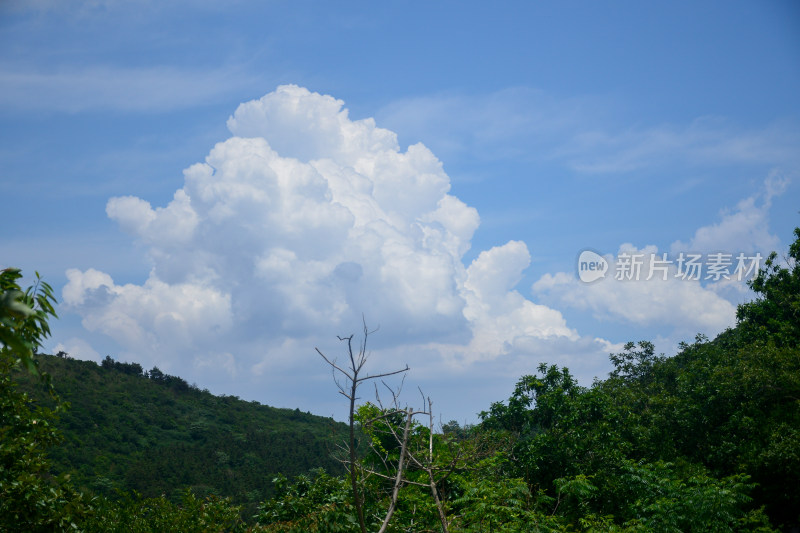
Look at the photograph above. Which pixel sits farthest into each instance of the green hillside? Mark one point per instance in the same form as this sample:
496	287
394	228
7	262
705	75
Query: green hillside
155	434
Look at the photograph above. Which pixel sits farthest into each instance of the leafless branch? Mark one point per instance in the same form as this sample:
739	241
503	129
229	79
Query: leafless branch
349	389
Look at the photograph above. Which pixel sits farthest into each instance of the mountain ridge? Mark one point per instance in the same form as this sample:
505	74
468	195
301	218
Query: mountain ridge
127	429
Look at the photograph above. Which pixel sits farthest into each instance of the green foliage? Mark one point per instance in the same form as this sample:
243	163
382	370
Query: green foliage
134	514
706	440
374	424
310	503
505	504
775	315
24	316
635	365
30	498
598	453
666	498
153	433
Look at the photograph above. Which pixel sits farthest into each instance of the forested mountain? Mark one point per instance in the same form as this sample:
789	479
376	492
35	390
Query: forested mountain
130	429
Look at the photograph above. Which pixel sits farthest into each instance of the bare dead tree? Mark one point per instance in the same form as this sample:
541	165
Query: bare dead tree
348	387
414	453
428	467
421	454
399	479
422	460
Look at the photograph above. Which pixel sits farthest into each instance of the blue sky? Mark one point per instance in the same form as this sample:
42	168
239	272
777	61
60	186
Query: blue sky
217	188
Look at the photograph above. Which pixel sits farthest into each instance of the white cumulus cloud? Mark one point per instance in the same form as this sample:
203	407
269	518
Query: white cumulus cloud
657	291
650	298
503	321
743	229
294	227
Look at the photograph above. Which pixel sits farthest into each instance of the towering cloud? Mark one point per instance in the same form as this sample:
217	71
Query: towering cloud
296	226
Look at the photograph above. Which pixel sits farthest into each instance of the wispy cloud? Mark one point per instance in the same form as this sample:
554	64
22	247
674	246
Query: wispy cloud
743	228
705	141
112	88
502	124
88	8
583	133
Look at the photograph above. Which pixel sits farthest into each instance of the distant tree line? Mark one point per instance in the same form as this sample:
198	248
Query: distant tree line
155	374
